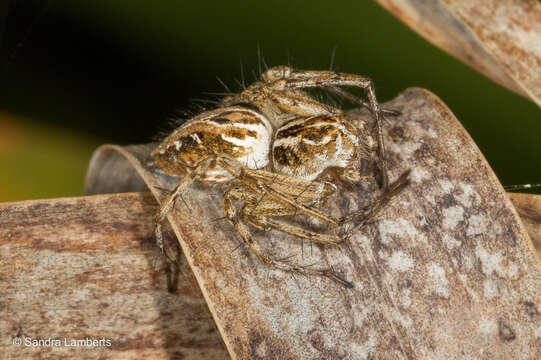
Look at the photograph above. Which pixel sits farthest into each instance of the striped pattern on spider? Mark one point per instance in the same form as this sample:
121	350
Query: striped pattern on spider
276	147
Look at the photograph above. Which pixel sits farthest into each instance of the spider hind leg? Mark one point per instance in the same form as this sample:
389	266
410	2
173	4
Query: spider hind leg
244	194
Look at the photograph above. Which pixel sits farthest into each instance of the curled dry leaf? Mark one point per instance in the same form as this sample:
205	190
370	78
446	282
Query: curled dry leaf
529	208
501	39
445	270
88	268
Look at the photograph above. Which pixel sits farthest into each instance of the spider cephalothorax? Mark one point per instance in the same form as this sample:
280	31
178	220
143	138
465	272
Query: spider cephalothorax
277	148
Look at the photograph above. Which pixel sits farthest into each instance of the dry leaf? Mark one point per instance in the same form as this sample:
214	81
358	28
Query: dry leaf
529	208
88	268
501	39
446	270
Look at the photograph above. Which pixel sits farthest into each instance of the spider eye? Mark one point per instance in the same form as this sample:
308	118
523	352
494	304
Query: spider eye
277	73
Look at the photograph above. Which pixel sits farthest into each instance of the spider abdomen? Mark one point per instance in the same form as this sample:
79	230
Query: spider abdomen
305	148
237	132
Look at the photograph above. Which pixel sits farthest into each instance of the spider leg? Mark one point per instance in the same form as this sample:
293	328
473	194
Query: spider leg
169	201
281	191
291	201
264	258
266	223
354	99
360	217
256	212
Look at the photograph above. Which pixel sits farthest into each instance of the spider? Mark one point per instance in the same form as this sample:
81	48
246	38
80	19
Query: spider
277	147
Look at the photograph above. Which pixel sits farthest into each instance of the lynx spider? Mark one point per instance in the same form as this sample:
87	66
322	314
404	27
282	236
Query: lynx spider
273	124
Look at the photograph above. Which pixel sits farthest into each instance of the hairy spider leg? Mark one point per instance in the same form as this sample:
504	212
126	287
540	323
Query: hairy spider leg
166	206
283	188
354	99
361	217
256	211
250	178
264	258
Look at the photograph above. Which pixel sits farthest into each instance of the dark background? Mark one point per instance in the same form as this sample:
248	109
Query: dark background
75	74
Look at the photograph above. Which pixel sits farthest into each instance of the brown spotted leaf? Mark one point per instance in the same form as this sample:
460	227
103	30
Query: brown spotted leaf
501	39
445	270
88	268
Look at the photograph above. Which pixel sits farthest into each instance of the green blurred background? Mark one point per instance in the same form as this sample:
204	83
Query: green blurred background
75	74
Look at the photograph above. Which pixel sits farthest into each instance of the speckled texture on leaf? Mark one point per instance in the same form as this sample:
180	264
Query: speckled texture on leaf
446	271
88	268
500	39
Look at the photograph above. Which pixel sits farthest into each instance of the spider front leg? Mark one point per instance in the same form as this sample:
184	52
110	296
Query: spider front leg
238	193
354	99
360	217
282	188
170	200
284	72
259	209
